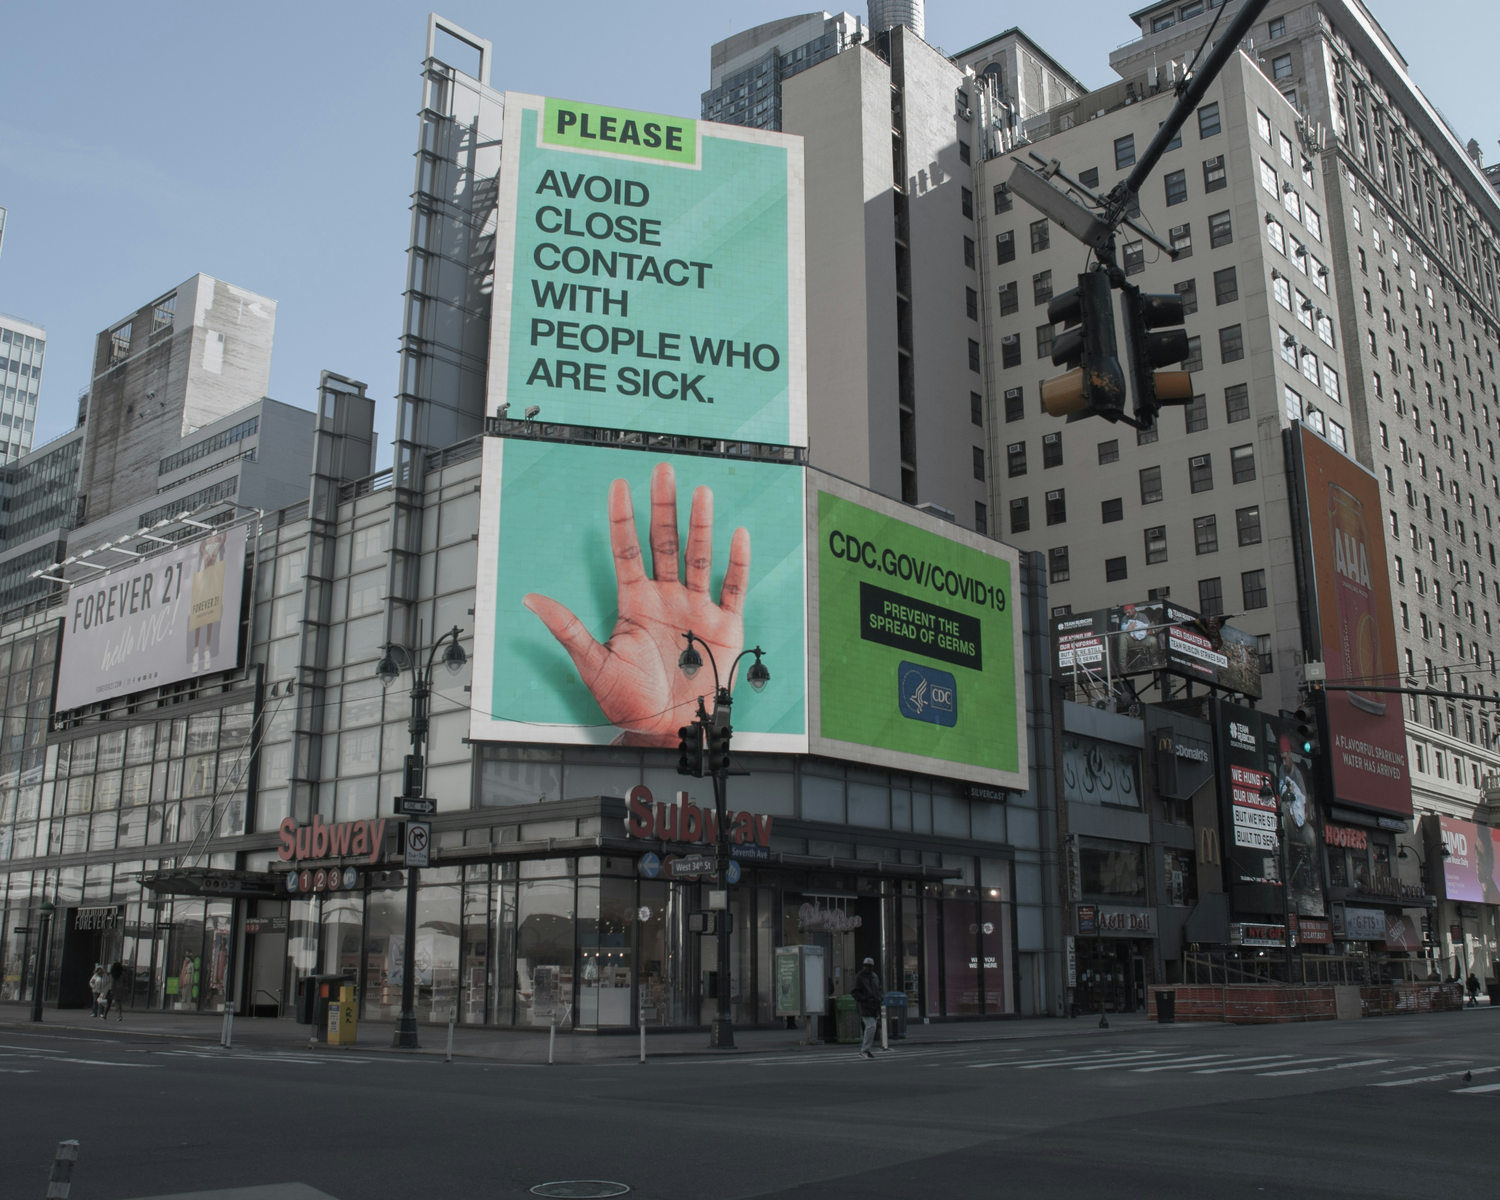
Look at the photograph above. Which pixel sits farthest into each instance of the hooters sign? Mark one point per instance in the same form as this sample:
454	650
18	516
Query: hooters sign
684	821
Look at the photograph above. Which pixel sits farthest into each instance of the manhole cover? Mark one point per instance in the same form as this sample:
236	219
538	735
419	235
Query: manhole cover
580	1189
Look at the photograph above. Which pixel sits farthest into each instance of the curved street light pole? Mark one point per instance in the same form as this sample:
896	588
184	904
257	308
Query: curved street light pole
721	1036
389	670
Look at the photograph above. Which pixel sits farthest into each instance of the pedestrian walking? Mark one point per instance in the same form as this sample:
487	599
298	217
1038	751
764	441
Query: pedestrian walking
117	989
867	992
98	987
1472	985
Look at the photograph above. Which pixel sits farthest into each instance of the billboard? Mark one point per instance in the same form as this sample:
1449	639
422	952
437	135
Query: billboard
584	593
161	620
1469	870
1266	789
917	638
1354	631
649	274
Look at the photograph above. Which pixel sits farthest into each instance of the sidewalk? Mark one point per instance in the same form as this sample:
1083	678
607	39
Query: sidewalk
521	1046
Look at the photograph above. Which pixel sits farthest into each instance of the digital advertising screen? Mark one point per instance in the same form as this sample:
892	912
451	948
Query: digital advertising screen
649	274
594	561
159	620
918	640
1344	537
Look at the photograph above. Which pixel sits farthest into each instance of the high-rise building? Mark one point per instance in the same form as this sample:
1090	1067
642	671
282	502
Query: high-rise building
1337	256
747	69
23	346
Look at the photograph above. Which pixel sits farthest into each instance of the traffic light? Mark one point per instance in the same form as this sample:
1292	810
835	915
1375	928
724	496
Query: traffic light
1147	351
718	749
1096	384
690	750
1308	743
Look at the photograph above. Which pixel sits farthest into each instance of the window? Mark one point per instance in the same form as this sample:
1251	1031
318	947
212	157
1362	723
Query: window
1268	178
1247	524
1231	343
1281	67
973	355
1194	360
964	154
1005	246
968	252
1150	485
1208	120
1188	290
966	199
1263	650
1242	463
1263	125
1135	257
1206	535
1052	455
1276	27
978	462
1201	473
1331	382
1275	236
1176	186
1293	404
1111	511
1003	200
1175	143
1124	151
1284	145
119	344
1253	586
1041	287
1195	414
971	303
1109	452
1220	230
1144	437
1089	178
1015	457
1237	402
1226	286
1211	597
1057	507
981	517
1181	240
1020	515
1009	299
1312	221
1214	176
976	408
1164	21
1015	405
1114	569
1010	350
1040	237
1043	342
1057	564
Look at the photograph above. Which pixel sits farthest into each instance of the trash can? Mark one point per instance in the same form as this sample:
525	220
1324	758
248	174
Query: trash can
1166	1008
1493	987
846	1017
896	1005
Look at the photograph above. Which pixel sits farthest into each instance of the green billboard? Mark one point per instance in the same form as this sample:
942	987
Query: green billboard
649	274
593	561
918	640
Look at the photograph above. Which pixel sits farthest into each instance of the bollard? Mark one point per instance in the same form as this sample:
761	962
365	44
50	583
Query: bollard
61	1182
226	1035
551	1039
452	1017
885	1032
643	1041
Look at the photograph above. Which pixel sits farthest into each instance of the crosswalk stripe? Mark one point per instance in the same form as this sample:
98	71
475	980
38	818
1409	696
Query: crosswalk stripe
1075	1059
1182	1064
1434	1078
1289	1063
1484	1087
1368	1062
1122	1062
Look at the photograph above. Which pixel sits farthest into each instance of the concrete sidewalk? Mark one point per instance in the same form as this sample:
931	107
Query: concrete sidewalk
518	1045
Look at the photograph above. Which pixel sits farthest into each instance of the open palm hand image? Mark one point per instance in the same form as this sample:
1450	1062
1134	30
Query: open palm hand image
634	675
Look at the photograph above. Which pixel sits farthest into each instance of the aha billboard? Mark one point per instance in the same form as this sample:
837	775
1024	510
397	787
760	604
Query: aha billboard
649	274
918	640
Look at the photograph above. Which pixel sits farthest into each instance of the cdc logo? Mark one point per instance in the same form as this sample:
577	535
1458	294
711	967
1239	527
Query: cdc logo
927	694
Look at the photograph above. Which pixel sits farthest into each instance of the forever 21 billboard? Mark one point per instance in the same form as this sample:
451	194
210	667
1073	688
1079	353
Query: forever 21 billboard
160	621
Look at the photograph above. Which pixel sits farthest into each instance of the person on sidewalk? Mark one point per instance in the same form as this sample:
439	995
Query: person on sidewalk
117	989
98	987
1472	984
867	993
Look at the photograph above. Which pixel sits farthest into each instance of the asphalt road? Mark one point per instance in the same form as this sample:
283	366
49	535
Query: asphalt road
1371	1109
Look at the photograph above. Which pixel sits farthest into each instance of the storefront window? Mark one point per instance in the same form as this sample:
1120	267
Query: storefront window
1180	878
1112	870
605	918
544	949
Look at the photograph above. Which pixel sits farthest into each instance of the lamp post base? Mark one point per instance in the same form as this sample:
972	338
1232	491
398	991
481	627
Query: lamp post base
721	1034
406	1032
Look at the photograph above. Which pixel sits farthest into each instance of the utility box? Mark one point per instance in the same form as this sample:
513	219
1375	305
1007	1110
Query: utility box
343	1019
800	981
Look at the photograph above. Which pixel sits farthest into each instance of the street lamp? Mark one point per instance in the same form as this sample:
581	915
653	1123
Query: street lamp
1268	796
716	733
398	658
47	908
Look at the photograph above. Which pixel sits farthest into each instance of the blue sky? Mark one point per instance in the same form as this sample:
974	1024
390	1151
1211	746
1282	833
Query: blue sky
270	144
